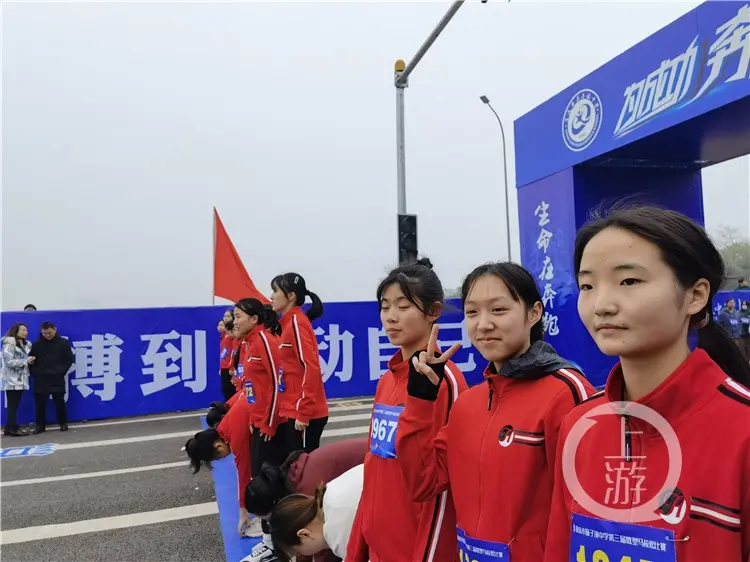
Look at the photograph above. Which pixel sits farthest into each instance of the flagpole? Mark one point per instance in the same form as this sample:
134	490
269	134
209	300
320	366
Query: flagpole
213	264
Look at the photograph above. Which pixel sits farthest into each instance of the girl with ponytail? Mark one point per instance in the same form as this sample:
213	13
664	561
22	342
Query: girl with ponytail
306	525
261	381
647	277
303	396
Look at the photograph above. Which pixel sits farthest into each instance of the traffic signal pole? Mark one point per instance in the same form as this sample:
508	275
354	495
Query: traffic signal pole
407	253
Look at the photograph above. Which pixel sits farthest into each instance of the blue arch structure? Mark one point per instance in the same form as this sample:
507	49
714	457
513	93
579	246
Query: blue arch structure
639	127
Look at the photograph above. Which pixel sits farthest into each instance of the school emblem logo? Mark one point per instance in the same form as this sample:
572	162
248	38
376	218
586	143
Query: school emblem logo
674	507
582	120
505	438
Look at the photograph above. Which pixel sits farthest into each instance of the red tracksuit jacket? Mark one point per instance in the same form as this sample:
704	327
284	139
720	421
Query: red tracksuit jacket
496	452
239	358
389	526
226	347
262	371
304	396
703	517
235	430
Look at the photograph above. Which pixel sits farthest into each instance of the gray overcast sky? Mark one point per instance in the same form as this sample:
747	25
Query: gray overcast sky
124	124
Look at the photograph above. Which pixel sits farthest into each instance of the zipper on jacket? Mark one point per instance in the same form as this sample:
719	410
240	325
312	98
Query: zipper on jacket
489	397
628	440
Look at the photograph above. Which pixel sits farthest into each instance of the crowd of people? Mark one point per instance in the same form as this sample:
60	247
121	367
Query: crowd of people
513	468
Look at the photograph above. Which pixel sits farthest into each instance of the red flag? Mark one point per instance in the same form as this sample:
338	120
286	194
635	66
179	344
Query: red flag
231	280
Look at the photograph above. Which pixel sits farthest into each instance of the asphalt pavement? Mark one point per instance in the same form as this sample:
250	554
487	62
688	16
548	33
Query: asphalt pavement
120	490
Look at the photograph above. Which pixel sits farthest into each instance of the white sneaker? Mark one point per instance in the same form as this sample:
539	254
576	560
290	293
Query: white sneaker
254	529
262	552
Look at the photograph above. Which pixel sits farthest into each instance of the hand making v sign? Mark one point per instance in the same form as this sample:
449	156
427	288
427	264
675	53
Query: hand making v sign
422	363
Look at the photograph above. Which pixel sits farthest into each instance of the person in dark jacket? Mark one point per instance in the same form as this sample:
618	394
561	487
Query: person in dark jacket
53	358
729	319
301	473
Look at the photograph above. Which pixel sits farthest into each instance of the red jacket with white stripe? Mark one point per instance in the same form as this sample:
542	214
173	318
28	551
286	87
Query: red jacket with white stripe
262	370
238	361
226	347
234	428
497	451
705	513
389	526
304	396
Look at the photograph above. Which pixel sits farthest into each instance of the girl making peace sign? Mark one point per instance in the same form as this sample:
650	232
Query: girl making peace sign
496	452
389	526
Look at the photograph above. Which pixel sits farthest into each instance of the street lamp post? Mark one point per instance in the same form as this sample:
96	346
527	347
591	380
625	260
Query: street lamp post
486	101
401	81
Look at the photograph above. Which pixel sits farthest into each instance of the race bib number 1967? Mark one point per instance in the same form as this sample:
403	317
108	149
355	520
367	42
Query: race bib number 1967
384	426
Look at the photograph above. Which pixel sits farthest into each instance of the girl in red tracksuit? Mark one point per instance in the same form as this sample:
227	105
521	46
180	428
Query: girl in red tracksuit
497	451
261	374
662	472
303	396
232	435
390	526
226	347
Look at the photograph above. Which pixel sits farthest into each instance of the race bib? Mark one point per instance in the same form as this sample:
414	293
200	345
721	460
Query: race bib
249	392
384	426
474	550
734	321
224	353
745	319
240	371
282	386
596	540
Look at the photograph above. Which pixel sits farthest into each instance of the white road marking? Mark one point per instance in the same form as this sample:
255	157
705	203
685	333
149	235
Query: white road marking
348	418
107	523
185	434
56	479
332	407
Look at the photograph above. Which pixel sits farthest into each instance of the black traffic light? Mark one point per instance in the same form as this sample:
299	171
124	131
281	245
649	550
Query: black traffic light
407	239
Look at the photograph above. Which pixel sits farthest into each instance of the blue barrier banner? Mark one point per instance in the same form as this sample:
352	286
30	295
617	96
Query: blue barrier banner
148	361
155	360
698	63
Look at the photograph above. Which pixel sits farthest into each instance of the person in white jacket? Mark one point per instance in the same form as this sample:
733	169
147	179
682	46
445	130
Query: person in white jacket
14	373
306	525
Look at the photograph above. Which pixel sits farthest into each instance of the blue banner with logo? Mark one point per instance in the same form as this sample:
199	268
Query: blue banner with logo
147	361
693	66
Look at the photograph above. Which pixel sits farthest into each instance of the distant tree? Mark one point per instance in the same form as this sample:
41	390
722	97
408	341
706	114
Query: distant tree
735	249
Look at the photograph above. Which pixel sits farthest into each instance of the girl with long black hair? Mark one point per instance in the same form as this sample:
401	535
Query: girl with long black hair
303	396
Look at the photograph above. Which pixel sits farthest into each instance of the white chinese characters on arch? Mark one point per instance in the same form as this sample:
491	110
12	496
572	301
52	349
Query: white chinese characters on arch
547	275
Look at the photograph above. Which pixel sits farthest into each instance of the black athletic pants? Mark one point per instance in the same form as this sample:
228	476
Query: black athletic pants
275	451
309	440
227	388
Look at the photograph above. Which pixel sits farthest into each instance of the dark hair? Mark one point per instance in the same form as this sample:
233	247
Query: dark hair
216	412
520	283
228	325
29	308
48	325
293	456
264	312
419	283
13	333
291	514
294	283
200	448
688	251
267	489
